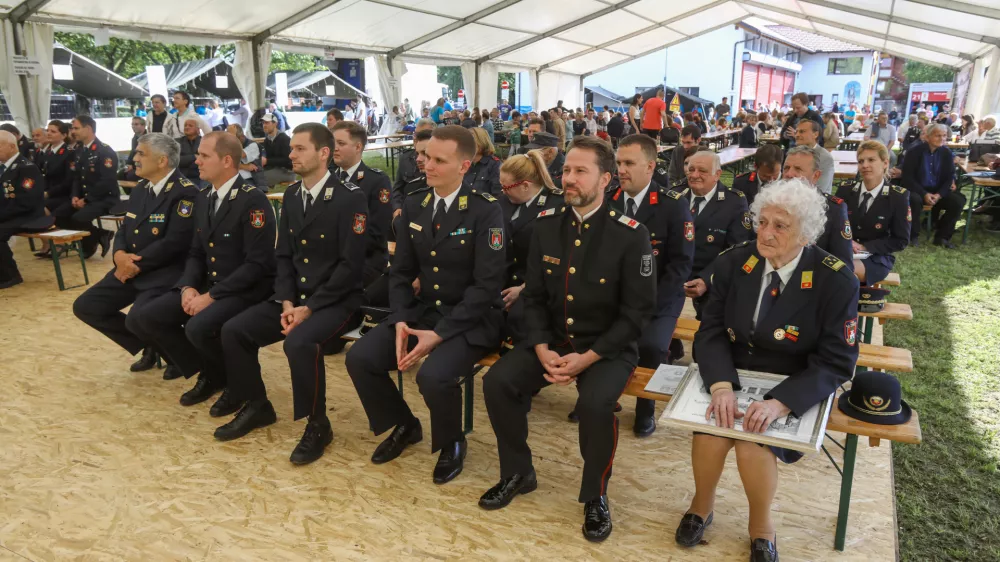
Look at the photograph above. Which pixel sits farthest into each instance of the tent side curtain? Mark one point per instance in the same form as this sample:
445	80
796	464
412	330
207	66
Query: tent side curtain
38	42
181	73
243	72
555	86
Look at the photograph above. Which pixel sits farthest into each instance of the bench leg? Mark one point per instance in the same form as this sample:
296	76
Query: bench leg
867	325
31	244
846	481
78	246
56	250
399	381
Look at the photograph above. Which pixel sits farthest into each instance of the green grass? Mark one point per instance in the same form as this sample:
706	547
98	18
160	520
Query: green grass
948	488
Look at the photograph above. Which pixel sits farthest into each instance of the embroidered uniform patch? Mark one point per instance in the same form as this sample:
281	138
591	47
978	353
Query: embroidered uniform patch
28	183
646	269
108	163
184	208
257	219
846	232
359	223
383	195
747	221
851	331
689	231
496	238
909	215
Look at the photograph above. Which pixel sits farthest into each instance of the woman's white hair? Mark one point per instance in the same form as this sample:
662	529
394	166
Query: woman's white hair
803	202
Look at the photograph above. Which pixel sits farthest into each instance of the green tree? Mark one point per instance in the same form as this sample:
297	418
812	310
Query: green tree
917	72
451	76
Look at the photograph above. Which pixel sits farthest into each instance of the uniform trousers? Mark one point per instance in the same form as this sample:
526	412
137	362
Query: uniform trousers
83	219
100	307
944	214
508	388
372	357
654	349
377	291
260	326
193	344
8	267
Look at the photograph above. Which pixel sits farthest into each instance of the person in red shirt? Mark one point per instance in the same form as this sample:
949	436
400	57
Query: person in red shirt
654	114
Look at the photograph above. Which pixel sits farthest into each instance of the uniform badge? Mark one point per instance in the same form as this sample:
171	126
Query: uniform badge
130	215
361	175
750	264
807	280
547	213
792	333
710	239
878	226
496	238
779	334
846	232
617	194
541	200
463	202
257	219
732	335
851	331
654	197
328	194
833	263
155	231
383	195
108	163
747	221
426	200
646	268
93	146
876	403
184	208
62	150
550	259
72	165
359	223
722	196
416	226
689	231
909	215
28	183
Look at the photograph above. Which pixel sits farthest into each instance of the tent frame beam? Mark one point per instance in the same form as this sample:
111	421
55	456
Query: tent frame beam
294	19
26	9
965	8
557	30
456	25
663	24
858	30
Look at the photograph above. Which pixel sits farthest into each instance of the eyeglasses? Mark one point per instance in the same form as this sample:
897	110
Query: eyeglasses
509	187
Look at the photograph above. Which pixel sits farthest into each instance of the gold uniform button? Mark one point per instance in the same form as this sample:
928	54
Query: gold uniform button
211	244
305	260
586	226
569	298
213	260
652	235
515	260
322	235
574	223
572	270
437	303
612	213
303	279
462	241
577	242
569	321
436	287
602	281
571	336
435	270
303	242
214	274
433	253
302	297
137	231
515	278
549	271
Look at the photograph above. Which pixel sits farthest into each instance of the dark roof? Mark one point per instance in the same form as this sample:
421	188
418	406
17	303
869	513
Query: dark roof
606	93
93	80
813	42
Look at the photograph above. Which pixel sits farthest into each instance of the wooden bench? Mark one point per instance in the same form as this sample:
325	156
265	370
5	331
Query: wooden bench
276	200
63	241
891	280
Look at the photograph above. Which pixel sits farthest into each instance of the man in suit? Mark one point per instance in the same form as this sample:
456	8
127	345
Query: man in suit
807	133
23	206
721	219
666	216
95	186
767	168
748	135
590	292
277	165
454	245
690	137
803	162
149	249
929	172
230	267
321	259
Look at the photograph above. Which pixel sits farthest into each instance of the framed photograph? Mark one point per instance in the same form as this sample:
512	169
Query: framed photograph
687	410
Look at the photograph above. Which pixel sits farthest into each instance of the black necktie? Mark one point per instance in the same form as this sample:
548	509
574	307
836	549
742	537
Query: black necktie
309	201
865	199
439	212
696	206
343	176
630	208
771	293
212	200
3	168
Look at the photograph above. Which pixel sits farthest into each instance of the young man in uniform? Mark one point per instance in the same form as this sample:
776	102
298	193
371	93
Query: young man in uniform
149	249
321	258
590	291
230	267
95	186
453	245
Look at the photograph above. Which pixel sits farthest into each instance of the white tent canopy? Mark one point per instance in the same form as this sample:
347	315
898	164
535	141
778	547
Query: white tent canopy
566	38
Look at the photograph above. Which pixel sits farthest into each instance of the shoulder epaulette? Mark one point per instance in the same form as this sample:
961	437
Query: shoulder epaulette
419	178
376	170
548	213
495	158
674	194
556	191
833	263
207	186
248	188
734	246
738	192
631	223
835	200
351	186
419	191
186	182
899	189
487	196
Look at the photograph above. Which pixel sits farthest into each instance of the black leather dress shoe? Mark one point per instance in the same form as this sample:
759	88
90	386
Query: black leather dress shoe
105	242
450	462
146	362
315	439
45	255
692	529
763	550
506	490
252	416
226	405
597	519
944	244
401	436
203	390
171	373
644	426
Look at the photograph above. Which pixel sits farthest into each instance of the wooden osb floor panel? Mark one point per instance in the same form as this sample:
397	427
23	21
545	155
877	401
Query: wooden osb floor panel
98	463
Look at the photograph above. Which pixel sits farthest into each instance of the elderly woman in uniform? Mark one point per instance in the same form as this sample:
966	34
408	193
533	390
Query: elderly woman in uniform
778	305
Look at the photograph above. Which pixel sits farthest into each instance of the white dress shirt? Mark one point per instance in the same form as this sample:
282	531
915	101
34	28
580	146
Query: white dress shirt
447	201
588	215
708	197
785	273
314	190
158	186
639	198
223	191
350	171
874	192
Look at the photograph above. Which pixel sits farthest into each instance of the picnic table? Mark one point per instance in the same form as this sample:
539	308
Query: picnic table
736	158
982	189
391	149
723	137
383	137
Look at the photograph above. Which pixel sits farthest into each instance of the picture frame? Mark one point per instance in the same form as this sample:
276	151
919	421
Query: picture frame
686	410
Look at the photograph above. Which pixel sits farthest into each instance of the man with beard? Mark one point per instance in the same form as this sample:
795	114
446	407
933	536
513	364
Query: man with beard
590	291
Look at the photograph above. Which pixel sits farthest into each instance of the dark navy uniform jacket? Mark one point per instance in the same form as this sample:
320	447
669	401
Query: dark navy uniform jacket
836	237
406	171
23	194
724	221
885	228
378	191
519	232
159	229
810	334
666	216
58	175
235	255
484	175
95	173
461	267
591	285
556	169
321	254
748	185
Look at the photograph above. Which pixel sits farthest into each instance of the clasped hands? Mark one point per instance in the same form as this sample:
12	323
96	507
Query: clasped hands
292	316
427	340
562	370
125	265
194	302
756	419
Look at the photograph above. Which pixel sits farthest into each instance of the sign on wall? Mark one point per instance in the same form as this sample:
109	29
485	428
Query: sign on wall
25	66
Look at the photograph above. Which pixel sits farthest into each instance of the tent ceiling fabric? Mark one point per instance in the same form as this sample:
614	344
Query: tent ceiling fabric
569	36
